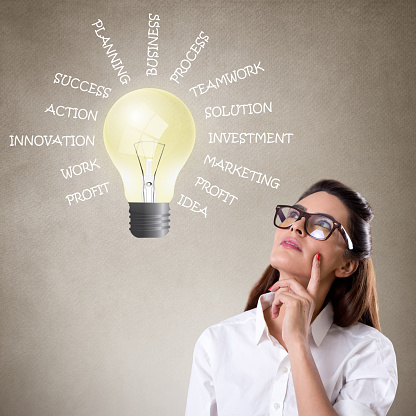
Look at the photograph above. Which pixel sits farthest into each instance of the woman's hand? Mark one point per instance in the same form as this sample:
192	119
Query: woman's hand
299	305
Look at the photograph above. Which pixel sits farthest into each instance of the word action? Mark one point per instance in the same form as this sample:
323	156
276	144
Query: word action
152	47
79	169
191	55
227	78
214	190
187	202
87	194
124	78
76	83
73	112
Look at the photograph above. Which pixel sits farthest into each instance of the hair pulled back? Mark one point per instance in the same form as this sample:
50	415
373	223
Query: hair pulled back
354	298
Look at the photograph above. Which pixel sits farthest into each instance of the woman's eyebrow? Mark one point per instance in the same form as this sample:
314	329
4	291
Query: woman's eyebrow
300	207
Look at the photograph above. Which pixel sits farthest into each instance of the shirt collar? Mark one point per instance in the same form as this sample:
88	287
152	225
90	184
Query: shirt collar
319	328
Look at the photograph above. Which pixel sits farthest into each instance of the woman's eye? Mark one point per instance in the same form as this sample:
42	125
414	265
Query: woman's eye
292	214
324	224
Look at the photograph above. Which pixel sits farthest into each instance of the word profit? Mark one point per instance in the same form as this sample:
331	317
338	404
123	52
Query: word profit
214	190
87	194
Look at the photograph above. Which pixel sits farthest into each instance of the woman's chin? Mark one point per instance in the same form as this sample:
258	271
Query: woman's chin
287	265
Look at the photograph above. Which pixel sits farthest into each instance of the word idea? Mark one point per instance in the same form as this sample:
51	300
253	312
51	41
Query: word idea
87	193
187	202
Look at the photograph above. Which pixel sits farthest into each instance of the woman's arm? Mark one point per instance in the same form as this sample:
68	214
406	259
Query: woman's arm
299	305
311	396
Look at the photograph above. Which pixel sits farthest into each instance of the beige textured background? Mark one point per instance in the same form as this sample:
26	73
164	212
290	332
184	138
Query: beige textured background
96	322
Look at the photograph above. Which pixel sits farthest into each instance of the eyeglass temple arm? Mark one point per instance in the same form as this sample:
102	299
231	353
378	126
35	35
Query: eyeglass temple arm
346	237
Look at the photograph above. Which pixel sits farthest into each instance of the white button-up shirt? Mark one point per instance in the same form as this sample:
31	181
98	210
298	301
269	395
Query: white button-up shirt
239	369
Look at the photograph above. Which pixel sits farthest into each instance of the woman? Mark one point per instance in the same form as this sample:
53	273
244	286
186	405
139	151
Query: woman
309	342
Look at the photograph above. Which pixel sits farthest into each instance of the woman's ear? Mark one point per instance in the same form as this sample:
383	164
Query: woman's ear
347	269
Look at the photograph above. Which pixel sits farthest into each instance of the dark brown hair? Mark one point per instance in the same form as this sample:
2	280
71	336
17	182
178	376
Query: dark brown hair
354	298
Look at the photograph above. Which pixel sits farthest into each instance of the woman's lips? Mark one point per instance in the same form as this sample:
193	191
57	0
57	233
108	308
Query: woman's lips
291	243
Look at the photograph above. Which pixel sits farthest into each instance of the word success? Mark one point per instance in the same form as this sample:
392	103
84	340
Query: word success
83	86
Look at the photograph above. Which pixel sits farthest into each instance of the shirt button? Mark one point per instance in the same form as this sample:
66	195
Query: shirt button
284	370
276	406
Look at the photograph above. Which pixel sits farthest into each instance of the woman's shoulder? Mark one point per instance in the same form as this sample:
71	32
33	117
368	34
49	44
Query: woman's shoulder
361	333
240	324
364	340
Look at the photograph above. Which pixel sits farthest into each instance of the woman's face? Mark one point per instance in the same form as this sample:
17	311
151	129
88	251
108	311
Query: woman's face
297	262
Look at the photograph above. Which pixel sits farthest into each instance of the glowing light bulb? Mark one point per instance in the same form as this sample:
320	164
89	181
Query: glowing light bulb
149	135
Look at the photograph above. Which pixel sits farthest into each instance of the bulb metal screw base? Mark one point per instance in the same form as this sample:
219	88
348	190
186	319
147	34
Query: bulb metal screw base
149	219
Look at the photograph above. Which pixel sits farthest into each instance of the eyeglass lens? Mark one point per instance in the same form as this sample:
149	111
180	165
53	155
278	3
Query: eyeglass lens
317	226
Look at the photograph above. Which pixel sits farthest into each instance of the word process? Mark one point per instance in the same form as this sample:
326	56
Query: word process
191	55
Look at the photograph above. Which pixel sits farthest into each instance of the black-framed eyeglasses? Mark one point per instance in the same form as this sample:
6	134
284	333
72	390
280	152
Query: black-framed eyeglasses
318	226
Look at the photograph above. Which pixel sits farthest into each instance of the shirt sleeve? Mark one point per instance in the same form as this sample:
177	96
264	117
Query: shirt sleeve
370	381
201	393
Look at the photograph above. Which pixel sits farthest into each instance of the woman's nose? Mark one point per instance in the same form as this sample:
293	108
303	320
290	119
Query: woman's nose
299	227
